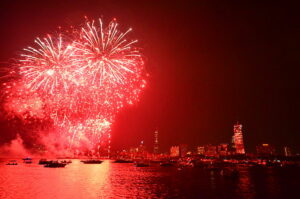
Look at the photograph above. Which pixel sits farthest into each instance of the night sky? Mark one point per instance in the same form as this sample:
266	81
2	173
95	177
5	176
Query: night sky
210	65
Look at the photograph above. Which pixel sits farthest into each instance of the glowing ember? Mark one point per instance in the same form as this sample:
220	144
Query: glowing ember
77	85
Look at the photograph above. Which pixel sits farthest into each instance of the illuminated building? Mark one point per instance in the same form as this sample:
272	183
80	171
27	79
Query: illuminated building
138	152
223	149
265	150
174	151
183	149
211	150
142	147
237	139
155	148
133	150
200	150
287	151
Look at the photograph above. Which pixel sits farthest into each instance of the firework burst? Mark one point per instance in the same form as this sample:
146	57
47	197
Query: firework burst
80	84
106	53
48	67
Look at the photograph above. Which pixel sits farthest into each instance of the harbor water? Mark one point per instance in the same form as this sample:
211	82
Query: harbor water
124	180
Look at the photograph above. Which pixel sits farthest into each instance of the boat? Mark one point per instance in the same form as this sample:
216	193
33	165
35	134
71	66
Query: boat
166	164
66	161
55	164
123	161
92	161
44	161
184	163
12	162
155	161
27	160
141	164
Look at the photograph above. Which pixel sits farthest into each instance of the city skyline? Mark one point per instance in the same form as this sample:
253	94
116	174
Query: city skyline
233	147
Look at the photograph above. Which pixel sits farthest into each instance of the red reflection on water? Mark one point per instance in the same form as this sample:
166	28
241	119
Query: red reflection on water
245	187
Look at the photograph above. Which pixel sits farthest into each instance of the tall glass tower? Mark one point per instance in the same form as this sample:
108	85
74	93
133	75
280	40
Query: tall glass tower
155	148
237	139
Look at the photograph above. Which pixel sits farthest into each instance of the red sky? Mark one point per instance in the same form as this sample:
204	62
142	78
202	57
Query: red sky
209	64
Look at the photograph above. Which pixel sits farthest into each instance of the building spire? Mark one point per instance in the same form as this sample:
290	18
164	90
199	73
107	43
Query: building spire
155	148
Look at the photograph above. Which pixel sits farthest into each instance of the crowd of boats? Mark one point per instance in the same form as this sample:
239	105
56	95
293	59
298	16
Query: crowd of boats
53	163
214	162
179	163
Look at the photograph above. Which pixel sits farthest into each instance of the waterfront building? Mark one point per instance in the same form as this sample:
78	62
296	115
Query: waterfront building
133	150
200	150
265	150
287	151
223	149
138	152
211	150
183	150
237	139
174	151
142	147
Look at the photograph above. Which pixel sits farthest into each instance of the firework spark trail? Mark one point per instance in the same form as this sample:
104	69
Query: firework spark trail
49	67
106	54
80	84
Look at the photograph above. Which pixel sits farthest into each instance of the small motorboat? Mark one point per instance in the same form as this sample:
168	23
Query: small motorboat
92	161
66	161
27	160
166	164
123	161
44	161
12	162
55	164
142	164
186	164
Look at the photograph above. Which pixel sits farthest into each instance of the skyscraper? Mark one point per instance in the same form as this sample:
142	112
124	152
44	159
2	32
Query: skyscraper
155	148
237	139
287	151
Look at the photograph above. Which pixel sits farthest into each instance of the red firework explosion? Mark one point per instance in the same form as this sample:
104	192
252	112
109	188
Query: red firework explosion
79	84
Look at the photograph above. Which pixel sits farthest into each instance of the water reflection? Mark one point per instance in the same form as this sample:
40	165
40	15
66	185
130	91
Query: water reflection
272	183
212	180
245	188
111	180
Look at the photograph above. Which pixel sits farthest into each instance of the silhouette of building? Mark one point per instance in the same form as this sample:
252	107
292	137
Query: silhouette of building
265	150
155	148
223	149
183	150
237	139
211	150
141	148
287	151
